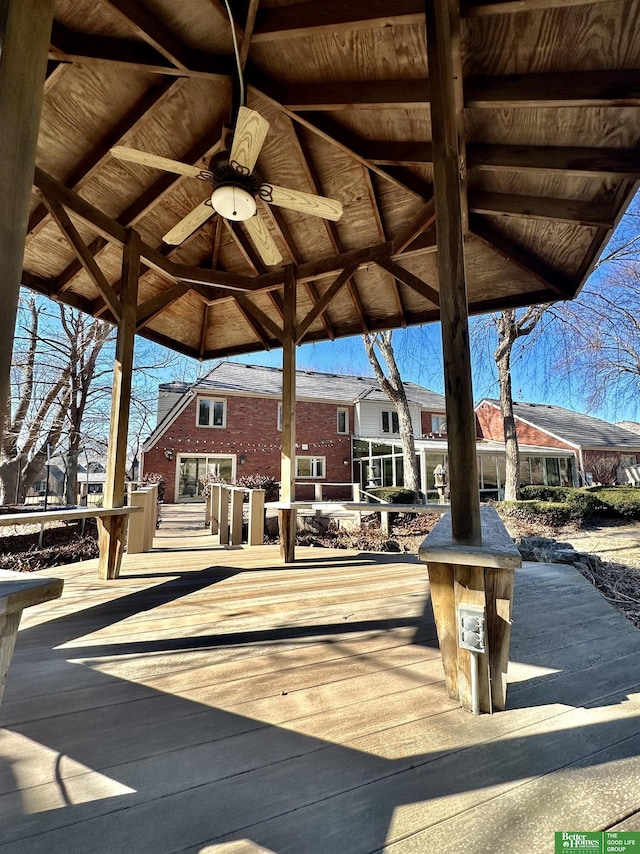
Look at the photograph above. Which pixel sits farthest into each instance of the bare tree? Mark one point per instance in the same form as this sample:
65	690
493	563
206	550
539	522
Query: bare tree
393	387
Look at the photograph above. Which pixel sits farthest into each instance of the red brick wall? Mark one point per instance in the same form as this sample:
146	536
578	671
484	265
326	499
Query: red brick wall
425	421
251	431
490	426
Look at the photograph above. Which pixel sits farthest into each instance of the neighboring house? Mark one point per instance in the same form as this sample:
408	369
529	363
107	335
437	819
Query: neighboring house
592	443
634	426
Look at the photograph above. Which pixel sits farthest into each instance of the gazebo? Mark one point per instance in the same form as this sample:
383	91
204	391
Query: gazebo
481	152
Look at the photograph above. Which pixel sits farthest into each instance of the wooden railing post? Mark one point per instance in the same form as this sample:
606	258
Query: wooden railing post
255	533
214	510
237	500
223	515
137	526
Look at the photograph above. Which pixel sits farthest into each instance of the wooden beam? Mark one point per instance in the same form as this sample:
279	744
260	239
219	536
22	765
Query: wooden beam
424	220
443	38
249	26
595	214
583	162
245	246
154	306
257	328
204	331
334	17
259	317
410	280
322	303
355	95
555	89
151	30
556	281
287	517
24	36
70	232
377	215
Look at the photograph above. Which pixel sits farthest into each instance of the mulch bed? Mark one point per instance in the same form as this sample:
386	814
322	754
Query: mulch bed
62	544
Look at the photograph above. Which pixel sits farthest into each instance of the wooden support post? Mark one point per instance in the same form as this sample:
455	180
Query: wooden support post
25	32
151	517
112	531
480	576
255	533
237	500
445	76
223	515
287	516
136	533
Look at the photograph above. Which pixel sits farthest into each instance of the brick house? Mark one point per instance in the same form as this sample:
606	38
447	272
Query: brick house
230	422
591	441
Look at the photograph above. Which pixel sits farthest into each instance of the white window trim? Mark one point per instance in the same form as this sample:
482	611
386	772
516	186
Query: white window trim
391	432
441	418
312	476
213	401
344	432
279	419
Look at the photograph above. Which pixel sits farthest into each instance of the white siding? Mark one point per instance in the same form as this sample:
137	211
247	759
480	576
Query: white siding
368	418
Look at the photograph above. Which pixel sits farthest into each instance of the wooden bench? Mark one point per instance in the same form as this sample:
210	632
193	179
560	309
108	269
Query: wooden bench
19	590
112	529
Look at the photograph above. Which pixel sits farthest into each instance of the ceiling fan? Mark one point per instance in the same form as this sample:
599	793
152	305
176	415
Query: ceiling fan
236	187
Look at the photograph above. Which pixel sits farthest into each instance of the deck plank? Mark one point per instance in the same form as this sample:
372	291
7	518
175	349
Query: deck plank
230	705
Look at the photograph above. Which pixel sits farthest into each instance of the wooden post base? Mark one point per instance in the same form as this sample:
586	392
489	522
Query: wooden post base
481	576
8	633
287	523
112	531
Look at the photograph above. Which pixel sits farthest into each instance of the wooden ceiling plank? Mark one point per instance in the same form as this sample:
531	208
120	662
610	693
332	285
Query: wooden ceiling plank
323	302
55	72
98	156
70	232
554	280
410	280
598	214
482	8
333	17
425	219
151	30
334	135
260	317
423	244
561	89
154	306
249	27
256	327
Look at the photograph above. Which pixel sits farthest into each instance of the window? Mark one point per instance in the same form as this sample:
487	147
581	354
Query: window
343	420
438	424
390	421
627	459
212	413
310	466
279	424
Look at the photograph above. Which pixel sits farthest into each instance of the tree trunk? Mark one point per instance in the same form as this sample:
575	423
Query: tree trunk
512	451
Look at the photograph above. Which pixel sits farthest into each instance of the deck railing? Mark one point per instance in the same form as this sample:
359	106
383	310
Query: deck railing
225	514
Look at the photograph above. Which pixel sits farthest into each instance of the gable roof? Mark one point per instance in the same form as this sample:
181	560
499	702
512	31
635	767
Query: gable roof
236	378
583	431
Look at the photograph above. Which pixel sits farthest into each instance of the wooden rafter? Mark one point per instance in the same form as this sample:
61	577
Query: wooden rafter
245	246
154	306
322	303
259	316
598	214
425	219
70	232
258	329
410	280
377	217
204	331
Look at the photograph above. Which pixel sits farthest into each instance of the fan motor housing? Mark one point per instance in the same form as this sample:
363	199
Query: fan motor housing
224	173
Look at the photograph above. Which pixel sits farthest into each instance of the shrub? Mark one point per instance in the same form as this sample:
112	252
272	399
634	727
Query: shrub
551	513
261	481
393	494
155	477
581	503
618	501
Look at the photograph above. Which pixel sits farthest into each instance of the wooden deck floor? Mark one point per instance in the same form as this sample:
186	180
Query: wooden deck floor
215	702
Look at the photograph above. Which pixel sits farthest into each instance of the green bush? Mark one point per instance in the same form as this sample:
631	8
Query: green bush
551	513
393	494
581	503
618	501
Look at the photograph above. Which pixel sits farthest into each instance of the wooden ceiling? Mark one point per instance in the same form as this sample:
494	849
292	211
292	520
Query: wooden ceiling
549	115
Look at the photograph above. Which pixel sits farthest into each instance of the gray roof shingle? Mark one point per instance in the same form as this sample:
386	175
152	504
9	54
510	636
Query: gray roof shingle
575	427
255	379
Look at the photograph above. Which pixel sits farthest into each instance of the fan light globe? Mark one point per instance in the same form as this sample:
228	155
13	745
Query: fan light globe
233	202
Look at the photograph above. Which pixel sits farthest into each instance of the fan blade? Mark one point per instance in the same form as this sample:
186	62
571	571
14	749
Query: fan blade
264	243
294	200
188	224
132	155
248	139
